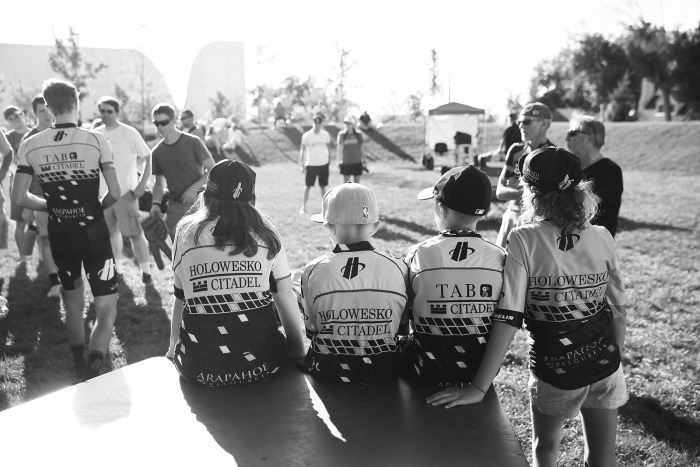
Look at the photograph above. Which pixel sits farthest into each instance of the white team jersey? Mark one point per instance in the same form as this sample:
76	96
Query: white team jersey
354	300
127	146
456	279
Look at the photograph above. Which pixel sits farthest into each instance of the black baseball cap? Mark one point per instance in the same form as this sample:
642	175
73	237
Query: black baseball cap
463	189
551	168
231	181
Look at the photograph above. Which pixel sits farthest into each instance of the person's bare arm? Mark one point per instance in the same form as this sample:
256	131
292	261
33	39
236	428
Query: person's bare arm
114	190
158	192
289	315
6	154
302	156
21	195
191	193
507	187
499	342
175	327
141	187
619	326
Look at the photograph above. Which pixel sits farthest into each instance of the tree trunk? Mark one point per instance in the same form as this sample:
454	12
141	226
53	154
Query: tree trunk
667	103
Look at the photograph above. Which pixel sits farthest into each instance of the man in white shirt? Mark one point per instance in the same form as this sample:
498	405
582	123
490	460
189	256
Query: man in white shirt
123	218
314	157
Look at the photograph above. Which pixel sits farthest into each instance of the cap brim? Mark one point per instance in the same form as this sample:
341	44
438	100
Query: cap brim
318	218
428	193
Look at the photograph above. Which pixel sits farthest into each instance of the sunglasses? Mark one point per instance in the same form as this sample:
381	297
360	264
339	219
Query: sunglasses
572	133
526	122
106	111
165	122
185	117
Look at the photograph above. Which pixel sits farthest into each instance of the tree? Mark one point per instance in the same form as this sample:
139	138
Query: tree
686	74
513	103
222	106
600	64
415	105
339	101
306	95
69	62
435	87
137	90
622	99
555	84
651	53
263	96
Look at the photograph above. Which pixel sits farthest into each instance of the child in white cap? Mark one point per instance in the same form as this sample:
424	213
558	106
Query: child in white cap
354	297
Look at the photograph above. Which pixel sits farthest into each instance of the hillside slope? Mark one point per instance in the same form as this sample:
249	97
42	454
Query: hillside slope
657	146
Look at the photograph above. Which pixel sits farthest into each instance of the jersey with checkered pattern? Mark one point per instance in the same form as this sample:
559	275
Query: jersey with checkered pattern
229	333
566	286
354	300
456	279
67	161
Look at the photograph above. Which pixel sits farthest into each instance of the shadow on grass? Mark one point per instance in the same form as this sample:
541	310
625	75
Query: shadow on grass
419	229
389	145
143	329
679	432
248	158
32	333
628	224
390	236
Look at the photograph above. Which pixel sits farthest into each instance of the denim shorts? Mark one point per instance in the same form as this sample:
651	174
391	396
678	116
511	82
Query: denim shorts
608	394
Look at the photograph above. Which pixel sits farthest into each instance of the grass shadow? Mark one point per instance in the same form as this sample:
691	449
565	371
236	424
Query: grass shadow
681	432
30	335
244	156
142	328
391	235
629	225
387	144
419	229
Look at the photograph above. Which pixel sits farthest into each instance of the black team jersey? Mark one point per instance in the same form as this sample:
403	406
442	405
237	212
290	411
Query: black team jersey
67	161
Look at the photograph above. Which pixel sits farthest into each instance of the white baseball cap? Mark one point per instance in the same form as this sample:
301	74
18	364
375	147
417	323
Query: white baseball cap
348	204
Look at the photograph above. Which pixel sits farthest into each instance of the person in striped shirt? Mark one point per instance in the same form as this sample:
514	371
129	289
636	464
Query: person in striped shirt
562	279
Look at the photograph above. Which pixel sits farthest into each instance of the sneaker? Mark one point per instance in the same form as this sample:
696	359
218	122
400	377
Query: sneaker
54	291
146	278
302	210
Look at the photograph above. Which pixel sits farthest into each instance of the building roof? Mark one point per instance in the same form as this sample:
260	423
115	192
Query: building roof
454	108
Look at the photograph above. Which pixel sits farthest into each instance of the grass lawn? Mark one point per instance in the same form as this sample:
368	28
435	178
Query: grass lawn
658	247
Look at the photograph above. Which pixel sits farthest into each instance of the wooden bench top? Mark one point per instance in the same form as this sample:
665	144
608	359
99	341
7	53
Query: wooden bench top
145	414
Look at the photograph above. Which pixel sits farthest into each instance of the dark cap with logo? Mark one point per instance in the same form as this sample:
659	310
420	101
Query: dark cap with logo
551	168
462	189
535	110
231	181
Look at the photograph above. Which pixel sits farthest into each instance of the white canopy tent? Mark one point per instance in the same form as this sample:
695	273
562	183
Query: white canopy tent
443	122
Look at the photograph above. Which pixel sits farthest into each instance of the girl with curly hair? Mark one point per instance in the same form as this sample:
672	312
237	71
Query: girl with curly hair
562	280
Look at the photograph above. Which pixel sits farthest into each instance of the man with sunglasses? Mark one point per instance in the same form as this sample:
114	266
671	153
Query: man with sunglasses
534	120
124	218
179	160
189	126
585	137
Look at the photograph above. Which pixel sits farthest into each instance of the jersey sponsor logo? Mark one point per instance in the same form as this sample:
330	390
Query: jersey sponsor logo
564	184
567	240
461	251
62	157
327	329
576	280
237	192
352	268
486	290
59	136
438	309
200	286
107	272
539	296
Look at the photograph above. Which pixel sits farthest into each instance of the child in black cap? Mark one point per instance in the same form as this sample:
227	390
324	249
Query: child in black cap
561	278
455	279
229	265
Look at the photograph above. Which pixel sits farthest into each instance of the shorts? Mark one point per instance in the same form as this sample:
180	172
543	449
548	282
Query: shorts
41	219
607	394
90	248
320	171
351	169
176	211
124	216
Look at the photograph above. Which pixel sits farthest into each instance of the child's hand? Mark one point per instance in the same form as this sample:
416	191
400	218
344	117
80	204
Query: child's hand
457	396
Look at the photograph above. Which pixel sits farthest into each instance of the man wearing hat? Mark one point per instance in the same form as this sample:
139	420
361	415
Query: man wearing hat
314	157
534	120
189	126
455	274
